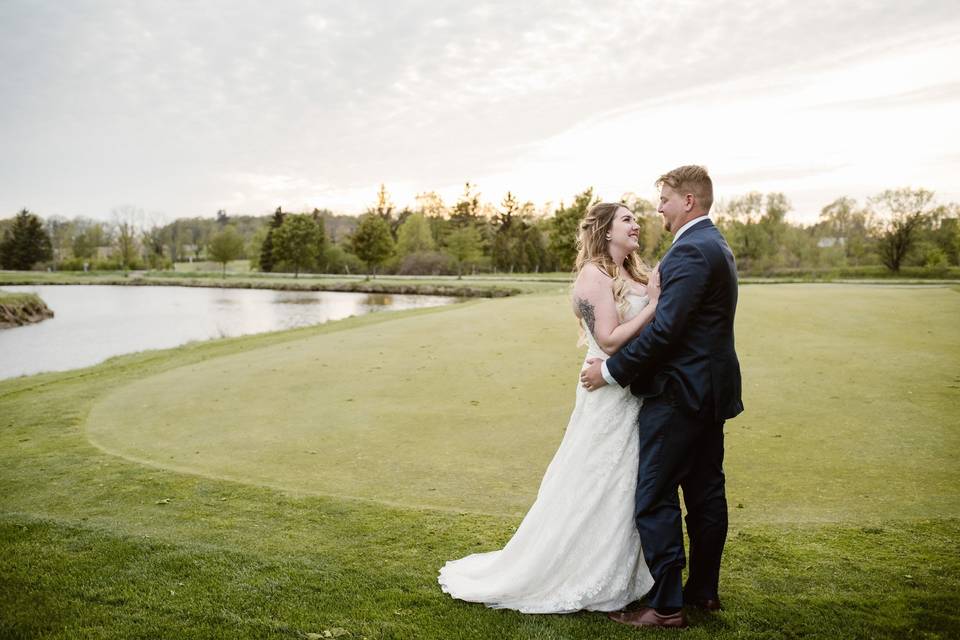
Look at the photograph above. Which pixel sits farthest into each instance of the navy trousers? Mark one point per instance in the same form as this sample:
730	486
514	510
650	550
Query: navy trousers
679	450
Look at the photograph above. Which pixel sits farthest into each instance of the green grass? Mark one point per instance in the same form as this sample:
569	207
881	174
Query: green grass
507	371
238	505
16	298
17	308
235	266
863	272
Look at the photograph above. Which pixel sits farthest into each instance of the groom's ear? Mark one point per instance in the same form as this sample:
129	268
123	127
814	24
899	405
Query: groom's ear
689	202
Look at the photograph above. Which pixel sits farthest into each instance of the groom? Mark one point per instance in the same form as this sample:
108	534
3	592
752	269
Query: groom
684	366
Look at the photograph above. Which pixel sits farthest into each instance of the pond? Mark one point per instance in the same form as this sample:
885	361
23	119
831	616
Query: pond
96	322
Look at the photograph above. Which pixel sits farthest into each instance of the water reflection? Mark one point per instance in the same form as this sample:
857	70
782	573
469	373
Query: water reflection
93	323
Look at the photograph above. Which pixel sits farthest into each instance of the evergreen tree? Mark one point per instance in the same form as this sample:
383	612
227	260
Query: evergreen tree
384	208
25	243
563	234
372	241
503	252
467	210
532	250
267	260
321	260
431	205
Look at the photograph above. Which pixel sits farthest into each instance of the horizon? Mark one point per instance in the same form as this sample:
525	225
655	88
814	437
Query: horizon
144	219
182	112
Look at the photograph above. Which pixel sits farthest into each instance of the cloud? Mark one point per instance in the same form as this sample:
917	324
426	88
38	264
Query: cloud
763	133
160	101
947	92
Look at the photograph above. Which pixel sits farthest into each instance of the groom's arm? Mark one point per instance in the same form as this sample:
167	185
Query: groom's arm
684	281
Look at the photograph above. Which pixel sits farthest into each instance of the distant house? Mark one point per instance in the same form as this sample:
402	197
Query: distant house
828	242
62	253
191	252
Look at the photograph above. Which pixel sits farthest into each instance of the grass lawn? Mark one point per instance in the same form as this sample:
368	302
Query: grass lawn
313	481
235	266
14	297
18	308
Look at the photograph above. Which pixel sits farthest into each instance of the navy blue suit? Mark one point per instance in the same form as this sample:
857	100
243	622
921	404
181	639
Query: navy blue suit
684	366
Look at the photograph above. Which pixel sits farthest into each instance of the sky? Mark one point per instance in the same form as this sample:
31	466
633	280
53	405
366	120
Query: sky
184	108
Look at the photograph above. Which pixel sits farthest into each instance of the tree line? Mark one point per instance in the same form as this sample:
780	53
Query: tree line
894	229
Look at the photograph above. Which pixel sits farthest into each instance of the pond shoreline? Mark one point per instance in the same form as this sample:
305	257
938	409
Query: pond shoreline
19	309
353	286
97	322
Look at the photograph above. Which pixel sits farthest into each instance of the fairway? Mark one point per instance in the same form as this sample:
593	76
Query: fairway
309	483
852	397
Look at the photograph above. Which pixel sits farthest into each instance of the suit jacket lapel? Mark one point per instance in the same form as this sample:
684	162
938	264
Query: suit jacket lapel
686	236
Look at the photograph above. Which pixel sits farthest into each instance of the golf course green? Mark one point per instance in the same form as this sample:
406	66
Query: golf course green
310	483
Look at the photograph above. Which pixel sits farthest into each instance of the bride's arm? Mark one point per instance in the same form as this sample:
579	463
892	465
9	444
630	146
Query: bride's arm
594	302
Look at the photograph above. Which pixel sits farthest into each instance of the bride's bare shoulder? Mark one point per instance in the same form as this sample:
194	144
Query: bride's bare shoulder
589	288
591	275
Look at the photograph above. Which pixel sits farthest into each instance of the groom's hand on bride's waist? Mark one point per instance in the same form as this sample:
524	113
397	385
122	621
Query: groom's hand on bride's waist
592	377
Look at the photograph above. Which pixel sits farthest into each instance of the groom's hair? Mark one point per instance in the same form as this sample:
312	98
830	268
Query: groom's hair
690	178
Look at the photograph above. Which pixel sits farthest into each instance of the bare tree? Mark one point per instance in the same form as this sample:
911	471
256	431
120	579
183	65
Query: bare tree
153	237
903	212
127	220
61	233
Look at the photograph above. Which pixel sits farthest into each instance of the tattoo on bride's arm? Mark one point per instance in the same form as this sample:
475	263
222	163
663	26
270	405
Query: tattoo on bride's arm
586	312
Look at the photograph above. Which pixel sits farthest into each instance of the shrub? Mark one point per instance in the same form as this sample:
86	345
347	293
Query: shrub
340	261
426	263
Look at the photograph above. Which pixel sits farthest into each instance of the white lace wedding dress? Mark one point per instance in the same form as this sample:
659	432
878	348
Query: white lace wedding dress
577	548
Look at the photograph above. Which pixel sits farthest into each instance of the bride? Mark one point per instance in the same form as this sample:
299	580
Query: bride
577	547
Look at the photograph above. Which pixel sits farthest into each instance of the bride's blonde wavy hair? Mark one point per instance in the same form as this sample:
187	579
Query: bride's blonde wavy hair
592	249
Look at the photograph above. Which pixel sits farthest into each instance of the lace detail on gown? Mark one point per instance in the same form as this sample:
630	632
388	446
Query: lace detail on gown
577	547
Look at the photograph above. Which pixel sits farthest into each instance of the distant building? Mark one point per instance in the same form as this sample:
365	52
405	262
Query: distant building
62	253
827	242
190	252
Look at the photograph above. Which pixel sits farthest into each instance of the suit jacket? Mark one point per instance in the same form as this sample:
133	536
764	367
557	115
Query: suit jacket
689	346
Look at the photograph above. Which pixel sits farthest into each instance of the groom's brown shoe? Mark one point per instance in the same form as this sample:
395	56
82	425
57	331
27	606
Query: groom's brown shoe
707	604
647	617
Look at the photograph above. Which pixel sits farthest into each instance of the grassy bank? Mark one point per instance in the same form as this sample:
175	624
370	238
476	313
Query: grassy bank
479	285
17	309
872	272
473	287
313	481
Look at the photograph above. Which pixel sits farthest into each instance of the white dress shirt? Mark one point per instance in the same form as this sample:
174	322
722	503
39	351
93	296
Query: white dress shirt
603	367
684	228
